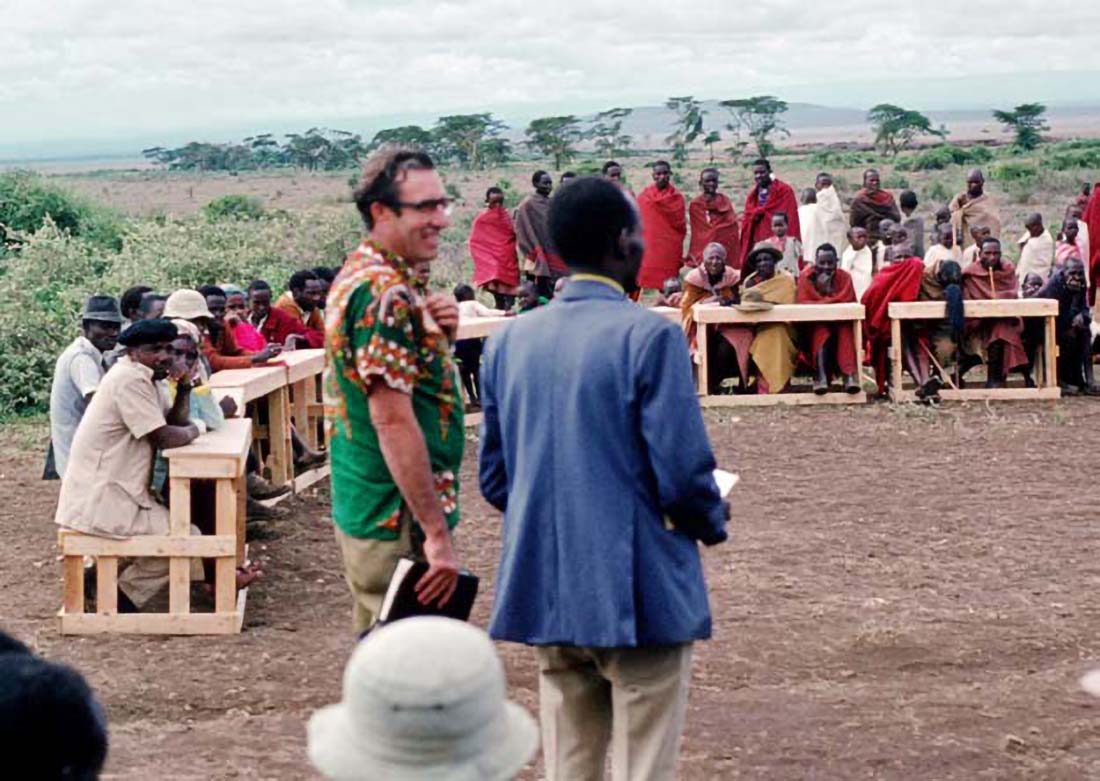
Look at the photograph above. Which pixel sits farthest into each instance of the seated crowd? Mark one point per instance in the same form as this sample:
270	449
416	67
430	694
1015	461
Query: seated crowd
137	381
780	252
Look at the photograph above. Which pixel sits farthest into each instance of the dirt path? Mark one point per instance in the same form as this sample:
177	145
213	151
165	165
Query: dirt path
906	593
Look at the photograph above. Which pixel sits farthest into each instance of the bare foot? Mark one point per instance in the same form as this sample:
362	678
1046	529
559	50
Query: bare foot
248	573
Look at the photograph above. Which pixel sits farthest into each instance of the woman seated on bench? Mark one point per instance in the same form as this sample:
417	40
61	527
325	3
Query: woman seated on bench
106	489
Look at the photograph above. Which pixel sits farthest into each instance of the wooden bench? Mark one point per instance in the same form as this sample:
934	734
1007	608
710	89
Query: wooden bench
218	456
265	385
668	312
710	315
303	372
477	328
1047	379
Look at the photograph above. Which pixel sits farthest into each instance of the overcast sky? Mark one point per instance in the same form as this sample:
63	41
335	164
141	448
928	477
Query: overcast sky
130	69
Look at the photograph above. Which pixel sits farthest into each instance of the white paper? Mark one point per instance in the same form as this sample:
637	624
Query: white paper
726	481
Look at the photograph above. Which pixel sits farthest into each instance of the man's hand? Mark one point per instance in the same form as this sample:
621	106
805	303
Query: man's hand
439	582
444	310
229	407
266	354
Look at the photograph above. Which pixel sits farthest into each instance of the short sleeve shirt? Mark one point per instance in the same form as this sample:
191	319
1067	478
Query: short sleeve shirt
105	489
377	329
78	372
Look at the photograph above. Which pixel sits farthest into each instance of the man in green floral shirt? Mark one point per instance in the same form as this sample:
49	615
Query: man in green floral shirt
392	404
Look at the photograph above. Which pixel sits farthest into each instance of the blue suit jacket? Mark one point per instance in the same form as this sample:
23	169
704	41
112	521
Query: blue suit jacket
592	436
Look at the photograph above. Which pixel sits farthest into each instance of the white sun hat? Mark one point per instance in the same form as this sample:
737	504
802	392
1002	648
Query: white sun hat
424	698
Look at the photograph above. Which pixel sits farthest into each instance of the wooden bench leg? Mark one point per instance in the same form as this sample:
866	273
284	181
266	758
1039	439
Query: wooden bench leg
73	576
300	411
225	523
179	569
106	585
278	428
701	339
895	359
1050	353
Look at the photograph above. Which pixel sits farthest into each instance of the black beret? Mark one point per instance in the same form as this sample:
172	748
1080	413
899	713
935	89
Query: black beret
148	332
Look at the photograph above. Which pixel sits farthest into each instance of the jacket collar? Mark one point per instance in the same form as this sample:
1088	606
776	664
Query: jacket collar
590	286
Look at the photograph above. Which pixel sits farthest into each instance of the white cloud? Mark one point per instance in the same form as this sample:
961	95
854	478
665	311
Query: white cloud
122	67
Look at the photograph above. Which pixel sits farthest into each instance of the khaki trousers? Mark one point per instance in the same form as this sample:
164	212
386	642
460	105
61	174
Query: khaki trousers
368	566
143	578
633	698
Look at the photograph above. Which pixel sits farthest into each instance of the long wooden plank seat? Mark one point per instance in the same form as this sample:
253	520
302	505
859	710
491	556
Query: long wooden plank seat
1046	380
303	371
709	315
218	456
667	312
266	385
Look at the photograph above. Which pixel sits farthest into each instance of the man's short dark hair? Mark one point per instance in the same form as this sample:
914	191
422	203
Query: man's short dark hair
826	247
586	220
569	175
709	169
324	273
907	199
990	240
665	163
258	284
492	190
299	278
608	166
464	292
129	301
762	161
383	172
148	300
49	715
786	219
211	290
536	176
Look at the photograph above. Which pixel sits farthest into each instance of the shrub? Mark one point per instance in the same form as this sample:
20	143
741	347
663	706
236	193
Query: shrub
939	157
1009	171
45	284
234	207
894	181
937	192
28	201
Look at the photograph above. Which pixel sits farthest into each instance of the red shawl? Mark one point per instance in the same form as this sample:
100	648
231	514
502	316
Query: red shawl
493	248
1092	219
756	220
869	209
896	282
713	221
664	226
1005	283
844	291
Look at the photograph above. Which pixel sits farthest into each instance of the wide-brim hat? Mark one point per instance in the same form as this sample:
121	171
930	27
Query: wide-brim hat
767	249
101	308
187	304
409	713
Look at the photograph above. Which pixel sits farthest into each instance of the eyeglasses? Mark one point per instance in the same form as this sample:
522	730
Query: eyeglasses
428	206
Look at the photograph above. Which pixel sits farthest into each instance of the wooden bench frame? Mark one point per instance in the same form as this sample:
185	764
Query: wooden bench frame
1047	379
303	373
709	315
219	456
263	385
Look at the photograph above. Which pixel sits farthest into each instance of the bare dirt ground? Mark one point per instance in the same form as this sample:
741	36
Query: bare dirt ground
907	593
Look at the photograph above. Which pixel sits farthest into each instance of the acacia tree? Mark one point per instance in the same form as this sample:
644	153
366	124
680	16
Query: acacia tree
465	138
712	138
896	127
687	127
555	137
406	135
606	132
760	117
1027	122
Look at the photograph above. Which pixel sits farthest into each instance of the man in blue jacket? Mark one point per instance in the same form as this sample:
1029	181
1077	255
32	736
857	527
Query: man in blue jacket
604	502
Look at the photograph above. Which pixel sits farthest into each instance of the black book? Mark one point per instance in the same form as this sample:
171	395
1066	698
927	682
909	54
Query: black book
401	602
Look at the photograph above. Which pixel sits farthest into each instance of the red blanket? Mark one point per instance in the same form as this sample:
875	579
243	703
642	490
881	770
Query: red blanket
980	285
896	282
756	220
869	209
1092	219
493	248
664	225
844	292
713	221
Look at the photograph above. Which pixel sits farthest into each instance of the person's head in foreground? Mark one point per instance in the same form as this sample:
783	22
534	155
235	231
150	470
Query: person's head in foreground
1073	272
907	200
494	198
149	343
130	300
403	202
464	292
662	174
1031	285
762	261
708	182
945	234
807	196
567	177
714	261
979	233
1034	225
613	171
671	287
51	726
449	720
101	321
596	229
185	352
1070	231
886	230
975	183
762	173
542	182
528	296
306	289
779	225
825	262
822	181
857	237
991	253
